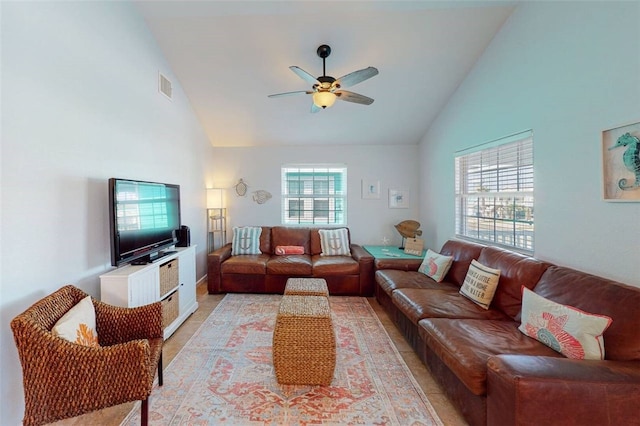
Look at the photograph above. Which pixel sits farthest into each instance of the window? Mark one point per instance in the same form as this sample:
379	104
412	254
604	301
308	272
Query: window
494	192
314	194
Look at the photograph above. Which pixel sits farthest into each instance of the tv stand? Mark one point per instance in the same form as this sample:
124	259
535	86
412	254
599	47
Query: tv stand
131	286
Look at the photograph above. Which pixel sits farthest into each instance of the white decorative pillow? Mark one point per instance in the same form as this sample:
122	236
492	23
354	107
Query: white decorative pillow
480	284
334	242
574	333
246	240
435	265
78	325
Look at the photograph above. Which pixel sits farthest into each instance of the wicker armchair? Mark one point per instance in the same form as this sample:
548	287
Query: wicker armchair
63	379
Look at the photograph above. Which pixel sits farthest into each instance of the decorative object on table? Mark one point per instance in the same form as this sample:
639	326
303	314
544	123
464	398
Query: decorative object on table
326	89
408	229
414	246
241	188
216	219
621	163
385	241
370	189
261	196
398	199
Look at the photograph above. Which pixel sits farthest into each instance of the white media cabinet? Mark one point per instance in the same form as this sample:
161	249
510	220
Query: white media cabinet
137	285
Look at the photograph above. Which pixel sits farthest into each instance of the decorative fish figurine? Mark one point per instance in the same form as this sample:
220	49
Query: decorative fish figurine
261	196
630	158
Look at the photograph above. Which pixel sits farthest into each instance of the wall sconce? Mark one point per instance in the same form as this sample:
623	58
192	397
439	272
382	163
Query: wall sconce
216	219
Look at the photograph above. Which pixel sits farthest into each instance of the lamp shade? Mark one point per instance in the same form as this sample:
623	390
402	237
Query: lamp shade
214	198
324	99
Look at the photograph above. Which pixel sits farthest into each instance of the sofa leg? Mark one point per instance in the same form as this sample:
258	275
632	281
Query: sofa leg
160	370
144	412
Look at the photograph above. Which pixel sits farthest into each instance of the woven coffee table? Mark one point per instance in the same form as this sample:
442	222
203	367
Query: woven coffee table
304	344
306	287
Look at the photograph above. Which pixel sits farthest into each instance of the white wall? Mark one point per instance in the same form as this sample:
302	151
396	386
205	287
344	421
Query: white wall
79	105
369	220
567	70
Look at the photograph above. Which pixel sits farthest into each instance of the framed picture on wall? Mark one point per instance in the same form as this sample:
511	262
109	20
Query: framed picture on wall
398	199
370	189
621	163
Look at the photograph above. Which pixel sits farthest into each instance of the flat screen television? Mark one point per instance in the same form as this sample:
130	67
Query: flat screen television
143	219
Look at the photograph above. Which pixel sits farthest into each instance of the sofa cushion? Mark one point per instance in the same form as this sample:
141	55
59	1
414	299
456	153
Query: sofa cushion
316	246
599	296
334	242
463	253
516	270
465	345
286	250
294	265
246	240
574	333
246	264
392	279
435	265
480	284
417	304
290	236
334	265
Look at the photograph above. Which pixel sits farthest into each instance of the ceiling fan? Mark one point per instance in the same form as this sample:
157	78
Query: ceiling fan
326	89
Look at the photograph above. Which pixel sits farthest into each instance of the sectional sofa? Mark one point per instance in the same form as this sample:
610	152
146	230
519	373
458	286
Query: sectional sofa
268	271
494	373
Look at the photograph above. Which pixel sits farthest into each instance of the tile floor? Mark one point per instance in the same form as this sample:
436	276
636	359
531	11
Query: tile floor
114	415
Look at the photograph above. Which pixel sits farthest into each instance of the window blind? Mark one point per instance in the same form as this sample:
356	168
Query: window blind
494	192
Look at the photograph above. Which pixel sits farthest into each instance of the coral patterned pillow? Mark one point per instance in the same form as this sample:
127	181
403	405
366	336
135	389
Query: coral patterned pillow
435	265
246	240
334	242
568	330
78	325
480	284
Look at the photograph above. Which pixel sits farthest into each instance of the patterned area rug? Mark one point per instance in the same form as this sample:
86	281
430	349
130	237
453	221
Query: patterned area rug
225	375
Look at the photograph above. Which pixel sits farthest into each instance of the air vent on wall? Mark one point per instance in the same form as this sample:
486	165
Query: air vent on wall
164	85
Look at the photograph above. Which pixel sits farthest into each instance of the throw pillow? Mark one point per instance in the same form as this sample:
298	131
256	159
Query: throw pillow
284	250
334	242
246	240
78	325
480	284
435	265
574	333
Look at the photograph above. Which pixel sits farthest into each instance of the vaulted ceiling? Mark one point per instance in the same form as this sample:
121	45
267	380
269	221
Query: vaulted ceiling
228	56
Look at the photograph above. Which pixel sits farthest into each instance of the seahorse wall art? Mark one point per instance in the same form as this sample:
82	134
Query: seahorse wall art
631	160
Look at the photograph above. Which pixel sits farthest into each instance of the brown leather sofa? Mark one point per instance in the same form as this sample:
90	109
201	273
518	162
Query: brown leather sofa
268	272
492	372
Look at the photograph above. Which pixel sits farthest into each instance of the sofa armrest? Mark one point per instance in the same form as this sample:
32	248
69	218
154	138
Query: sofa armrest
535	390
214	267
365	262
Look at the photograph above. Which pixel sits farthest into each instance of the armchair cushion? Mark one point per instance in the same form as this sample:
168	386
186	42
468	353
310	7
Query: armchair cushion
78	325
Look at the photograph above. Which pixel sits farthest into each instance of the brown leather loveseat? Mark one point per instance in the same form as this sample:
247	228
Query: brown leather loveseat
268	272
495	374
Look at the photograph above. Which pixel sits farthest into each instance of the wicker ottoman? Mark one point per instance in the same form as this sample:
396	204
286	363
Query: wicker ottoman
306	287
304	344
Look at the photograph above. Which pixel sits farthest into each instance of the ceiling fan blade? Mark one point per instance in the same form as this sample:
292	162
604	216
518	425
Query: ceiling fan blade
345	95
304	75
315	108
355	77
298	92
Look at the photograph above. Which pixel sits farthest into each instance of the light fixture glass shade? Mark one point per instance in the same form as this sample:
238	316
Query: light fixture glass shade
214	198
324	99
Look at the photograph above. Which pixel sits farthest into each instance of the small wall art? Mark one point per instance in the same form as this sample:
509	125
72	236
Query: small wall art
621	163
370	189
398	199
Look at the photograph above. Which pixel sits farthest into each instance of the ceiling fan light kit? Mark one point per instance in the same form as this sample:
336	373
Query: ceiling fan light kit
326	89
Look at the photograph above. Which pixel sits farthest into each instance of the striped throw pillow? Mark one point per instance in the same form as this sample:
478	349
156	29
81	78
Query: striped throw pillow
334	242
246	240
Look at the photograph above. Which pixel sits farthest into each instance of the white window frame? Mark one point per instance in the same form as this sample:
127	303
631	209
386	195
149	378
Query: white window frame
314	184
494	193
